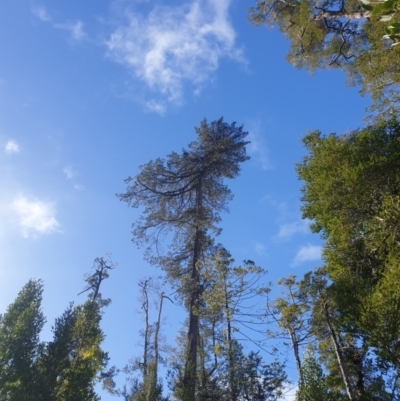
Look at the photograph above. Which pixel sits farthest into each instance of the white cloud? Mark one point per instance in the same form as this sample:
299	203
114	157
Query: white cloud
286	231
35	217
307	253
172	46
257	145
41	13
69	172
75	29
260	248
157	107
11	147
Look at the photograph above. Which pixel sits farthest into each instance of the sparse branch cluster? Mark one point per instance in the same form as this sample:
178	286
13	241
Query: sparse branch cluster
343	34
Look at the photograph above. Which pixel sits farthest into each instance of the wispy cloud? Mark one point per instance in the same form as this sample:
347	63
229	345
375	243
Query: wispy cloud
40	12
75	28
257	145
156	106
286	231
35	217
280	205
11	147
260	248
307	253
172	46
70	174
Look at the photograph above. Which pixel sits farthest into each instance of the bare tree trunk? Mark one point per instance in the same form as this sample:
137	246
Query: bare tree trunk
145	306
153	373
338	352
156	334
232	392
295	345
340	14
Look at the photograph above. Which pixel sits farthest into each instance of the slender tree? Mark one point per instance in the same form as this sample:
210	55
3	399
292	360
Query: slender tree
185	194
20	347
314	385
314	286
291	314
230	300
148	387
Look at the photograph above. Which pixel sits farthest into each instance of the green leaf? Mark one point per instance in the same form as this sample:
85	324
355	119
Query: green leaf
388	4
377	9
367	7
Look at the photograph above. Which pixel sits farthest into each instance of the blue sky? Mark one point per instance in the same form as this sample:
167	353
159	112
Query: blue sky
91	90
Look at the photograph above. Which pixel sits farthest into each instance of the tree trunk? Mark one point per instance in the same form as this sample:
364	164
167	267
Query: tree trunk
156	334
338	352
232	392
193	332
341	14
295	345
145	306
152	368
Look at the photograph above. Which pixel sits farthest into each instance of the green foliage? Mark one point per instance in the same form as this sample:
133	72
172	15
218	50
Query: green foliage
291	313
70	363
349	182
20	327
136	391
185	194
257	381
314	386
342	34
64	369
228	299
238	377
225	372
388	10
351	193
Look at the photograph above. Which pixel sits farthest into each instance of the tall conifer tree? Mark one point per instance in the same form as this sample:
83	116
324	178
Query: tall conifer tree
185	194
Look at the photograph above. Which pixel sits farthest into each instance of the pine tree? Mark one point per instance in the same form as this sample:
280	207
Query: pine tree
184	194
314	386
20	327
